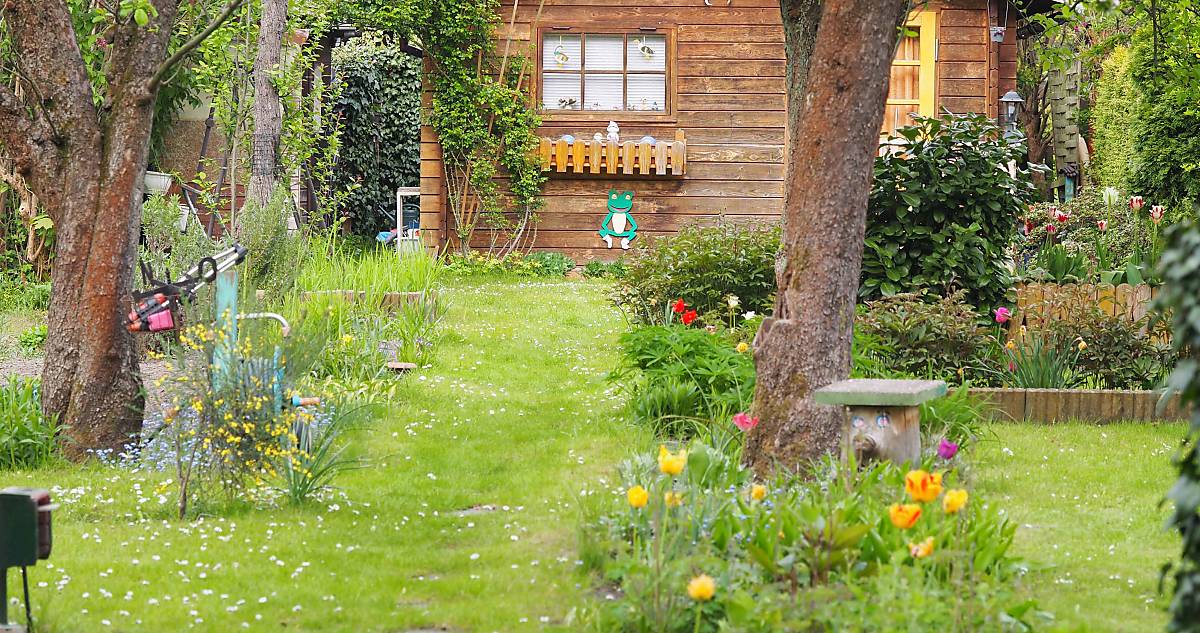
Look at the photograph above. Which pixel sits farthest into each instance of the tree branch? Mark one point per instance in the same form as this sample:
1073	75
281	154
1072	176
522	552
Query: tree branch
192	45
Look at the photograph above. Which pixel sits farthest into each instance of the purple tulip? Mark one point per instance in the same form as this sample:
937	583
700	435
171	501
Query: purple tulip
947	449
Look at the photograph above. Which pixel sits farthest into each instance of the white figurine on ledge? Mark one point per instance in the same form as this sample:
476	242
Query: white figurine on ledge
614	132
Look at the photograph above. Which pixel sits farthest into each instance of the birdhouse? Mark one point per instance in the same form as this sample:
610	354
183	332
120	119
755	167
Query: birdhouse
883	419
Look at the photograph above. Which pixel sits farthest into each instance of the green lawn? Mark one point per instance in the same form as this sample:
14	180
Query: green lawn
1085	498
514	414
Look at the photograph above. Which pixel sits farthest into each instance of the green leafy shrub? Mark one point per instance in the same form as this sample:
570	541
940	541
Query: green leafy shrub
703	265
275	256
1181	292
929	337
27	438
551	264
597	269
33	340
380	109
941	214
674	375
1168	130
1117	353
166	248
1115	120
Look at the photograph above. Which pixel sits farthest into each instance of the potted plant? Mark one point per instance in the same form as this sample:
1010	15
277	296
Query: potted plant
157	182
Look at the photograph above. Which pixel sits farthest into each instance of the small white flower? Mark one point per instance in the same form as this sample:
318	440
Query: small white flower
749	315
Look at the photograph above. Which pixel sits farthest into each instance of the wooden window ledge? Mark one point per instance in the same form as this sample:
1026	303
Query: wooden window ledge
631	158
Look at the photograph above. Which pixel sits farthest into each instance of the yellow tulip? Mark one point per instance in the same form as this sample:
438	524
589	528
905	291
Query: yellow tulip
1011	345
904	516
638	497
702	588
671	463
758	492
673	499
922	486
954	501
742	347
922	549
1082	346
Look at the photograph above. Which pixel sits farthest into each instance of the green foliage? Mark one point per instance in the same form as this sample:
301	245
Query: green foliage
165	248
673	376
941	213
16	294
704	266
275	256
1055	263
33	340
551	264
1165	68
536	264
375	272
1115	122
27	437
1181	268
597	269
928	337
380	108
958	416
1118	353
1037	362
317	449
482	114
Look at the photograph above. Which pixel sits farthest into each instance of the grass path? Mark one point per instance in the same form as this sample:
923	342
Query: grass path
1085	499
515	415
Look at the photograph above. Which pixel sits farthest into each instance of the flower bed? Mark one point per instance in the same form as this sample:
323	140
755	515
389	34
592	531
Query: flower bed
1088	405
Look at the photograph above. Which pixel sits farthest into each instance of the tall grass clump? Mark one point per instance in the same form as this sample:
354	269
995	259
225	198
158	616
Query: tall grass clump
375	271
26	436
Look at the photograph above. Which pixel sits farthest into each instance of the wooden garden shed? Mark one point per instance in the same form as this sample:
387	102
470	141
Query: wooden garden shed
707	83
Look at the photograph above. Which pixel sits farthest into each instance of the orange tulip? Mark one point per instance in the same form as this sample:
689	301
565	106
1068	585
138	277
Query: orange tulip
922	486
904	516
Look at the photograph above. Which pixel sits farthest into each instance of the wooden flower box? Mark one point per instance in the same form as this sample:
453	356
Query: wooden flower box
630	158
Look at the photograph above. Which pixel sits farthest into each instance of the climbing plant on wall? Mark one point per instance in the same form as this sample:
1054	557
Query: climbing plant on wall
484	119
380	110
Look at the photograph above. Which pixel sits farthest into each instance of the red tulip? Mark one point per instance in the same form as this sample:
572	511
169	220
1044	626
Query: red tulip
744	422
679	307
689	317
1051	229
1102	225
1136	203
1061	217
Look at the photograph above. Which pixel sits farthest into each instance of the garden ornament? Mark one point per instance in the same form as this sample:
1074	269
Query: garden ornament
619	222
645	49
614	132
560	54
883	420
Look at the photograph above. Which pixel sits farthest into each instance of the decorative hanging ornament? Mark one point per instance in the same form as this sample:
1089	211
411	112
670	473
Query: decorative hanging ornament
646	50
560	54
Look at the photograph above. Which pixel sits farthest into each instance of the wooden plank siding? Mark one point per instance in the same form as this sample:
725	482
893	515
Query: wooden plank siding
726	86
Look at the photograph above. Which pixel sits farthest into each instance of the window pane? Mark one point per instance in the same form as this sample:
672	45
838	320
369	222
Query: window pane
647	92
605	52
560	91
604	92
897	116
910	47
906	83
648	52
560	52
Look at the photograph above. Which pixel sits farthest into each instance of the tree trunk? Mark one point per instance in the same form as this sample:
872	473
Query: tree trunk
839	64
87	166
268	104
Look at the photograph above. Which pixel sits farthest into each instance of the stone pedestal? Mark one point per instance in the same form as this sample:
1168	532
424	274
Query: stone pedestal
883	419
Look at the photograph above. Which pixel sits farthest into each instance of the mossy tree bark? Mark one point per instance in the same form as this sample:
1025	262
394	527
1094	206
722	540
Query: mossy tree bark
86	163
839	55
268	103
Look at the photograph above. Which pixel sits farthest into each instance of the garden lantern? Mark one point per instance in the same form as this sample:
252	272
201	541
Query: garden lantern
1011	105
25	538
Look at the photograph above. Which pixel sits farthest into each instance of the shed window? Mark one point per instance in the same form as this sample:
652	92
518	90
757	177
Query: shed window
604	72
914	79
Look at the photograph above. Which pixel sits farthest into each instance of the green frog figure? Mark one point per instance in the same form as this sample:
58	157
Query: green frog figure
619	222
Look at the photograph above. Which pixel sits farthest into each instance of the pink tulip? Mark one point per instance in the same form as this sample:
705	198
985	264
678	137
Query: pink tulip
1102	225
1052	210
1051	229
1157	212
947	449
1136	203
1061	217
1012	366
1003	315
744	422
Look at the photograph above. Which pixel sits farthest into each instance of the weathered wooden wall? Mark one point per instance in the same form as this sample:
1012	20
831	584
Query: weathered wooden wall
729	96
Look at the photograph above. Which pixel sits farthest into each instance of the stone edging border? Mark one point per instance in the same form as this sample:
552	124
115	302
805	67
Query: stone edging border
1088	405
